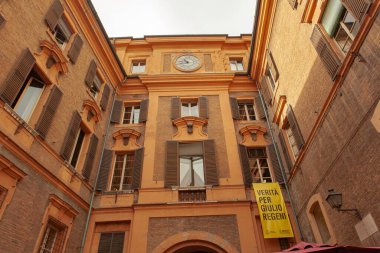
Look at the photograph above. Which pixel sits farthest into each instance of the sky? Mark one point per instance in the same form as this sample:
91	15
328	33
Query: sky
136	18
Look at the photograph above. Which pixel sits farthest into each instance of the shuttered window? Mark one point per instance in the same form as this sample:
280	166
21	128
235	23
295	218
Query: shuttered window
135	112
93	79
245	166
54	236
259	166
289	163
293	132
105	167
171	164
271	71
90	157
203	107
246	110
116	112
75	49
111	242
275	163
175	108
259	108
105	97
48	111
182	107
265	91
71	136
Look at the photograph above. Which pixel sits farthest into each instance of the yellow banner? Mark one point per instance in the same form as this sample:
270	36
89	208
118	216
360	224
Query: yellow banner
274	217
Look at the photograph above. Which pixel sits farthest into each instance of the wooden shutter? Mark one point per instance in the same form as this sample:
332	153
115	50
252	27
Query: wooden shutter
358	8
176	108
137	168
91	72
294	127
75	49
105	97
116	111
54	14
167	63
203	107
246	170
275	163
143	111
117	243
289	163
208	62
325	52
90	157
293	4
172	163
14	83
105	167
234	108
211	177
260	114
105	243
48	112
71	135
272	66
265	90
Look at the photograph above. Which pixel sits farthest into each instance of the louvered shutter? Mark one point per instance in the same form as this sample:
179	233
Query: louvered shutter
208	63
117	243
116	111
294	127
91	72
137	168
265	90
172	163
275	163
293	4
234	108
48	112
246	170
143	111
260	114
90	157
167	63
105	243
71	135
176	108
54	14
105	167
288	161
14	83
210	163
272	66
75	49
105	97
325	52
203	107
358	8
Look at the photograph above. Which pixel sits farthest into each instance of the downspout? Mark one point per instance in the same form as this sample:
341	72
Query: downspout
98	171
280	163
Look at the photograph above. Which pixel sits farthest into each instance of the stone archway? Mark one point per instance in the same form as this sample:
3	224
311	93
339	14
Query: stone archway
195	242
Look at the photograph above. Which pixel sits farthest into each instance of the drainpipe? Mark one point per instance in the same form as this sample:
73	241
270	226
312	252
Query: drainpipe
98	171
280	162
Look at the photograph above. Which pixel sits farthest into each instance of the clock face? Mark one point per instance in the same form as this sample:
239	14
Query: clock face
187	62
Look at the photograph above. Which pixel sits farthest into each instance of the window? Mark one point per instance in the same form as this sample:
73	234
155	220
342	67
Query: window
53	237
246	110
122	174
236	64
189	108
321	223
191	164
77	147
95	87
340	24
28	96
131	114
62	32
258	162
292	141
111	242
138	66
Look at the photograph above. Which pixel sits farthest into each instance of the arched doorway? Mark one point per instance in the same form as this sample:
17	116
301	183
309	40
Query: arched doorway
195	246
195	249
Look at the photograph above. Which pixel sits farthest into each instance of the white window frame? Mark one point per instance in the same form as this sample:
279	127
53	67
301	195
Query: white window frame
235	62
54	32
120	188
132	119
244	103
140	66
93	89
75	145
46	236
188	106
260	169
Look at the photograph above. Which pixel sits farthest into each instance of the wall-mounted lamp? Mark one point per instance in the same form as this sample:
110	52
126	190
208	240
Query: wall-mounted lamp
335	200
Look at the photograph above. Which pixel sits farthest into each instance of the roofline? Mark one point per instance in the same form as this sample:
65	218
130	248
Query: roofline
181	35
92	8
253	40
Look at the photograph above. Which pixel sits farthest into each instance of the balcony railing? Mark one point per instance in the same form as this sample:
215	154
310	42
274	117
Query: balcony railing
192	195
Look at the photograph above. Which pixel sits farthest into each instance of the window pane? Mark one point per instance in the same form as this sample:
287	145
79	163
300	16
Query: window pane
127	115
251	111
78	146
29	99
240	66
185	109
136	114
199	175
185	171
332	15
194	110
233	65
116	179
242	112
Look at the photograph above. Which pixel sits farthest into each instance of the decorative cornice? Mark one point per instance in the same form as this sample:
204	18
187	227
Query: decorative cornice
94	108
189	128
62	205
9	168
52	50
253	136
252	129
126	133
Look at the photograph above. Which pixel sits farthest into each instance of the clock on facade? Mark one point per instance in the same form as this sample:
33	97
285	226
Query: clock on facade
187	63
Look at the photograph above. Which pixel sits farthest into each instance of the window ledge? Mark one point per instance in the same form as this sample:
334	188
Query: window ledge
118	192
22	123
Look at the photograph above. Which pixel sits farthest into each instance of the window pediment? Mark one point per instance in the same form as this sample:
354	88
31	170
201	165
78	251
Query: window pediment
253	135
54	56
93	110
126	139
190	128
